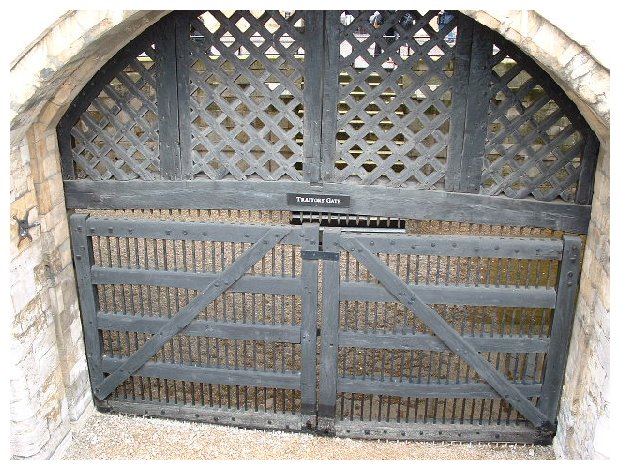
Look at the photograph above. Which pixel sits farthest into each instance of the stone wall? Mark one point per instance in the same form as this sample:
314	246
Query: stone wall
49	380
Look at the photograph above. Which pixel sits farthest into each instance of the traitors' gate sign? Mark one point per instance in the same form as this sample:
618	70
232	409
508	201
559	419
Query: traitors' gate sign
318	200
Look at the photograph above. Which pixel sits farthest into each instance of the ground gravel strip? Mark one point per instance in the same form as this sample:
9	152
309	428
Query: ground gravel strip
111	437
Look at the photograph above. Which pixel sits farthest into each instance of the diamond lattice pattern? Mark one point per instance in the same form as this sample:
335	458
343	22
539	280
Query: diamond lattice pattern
117	136
533	147
395	93
246	95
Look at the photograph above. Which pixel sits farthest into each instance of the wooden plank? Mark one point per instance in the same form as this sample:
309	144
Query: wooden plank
561	328
329	337
313	88
189	312
211	375
585	188
190	280
395	388
331	69
211	329
476	122
183	59
205	414
373	200
177	230
483	343
310	279
83	259
445	332
461	245
439	432
509	296
63	134
167	103
459	102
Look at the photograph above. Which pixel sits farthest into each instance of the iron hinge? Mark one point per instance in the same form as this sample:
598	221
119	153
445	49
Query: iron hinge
324	255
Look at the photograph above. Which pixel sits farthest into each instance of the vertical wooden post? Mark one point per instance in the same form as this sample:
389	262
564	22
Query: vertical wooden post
585	188
167	101
310	273
313	99
329	334
561	328
89	302
470	105
331	68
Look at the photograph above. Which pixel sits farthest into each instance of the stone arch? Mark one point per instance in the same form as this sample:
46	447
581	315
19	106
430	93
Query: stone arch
52	71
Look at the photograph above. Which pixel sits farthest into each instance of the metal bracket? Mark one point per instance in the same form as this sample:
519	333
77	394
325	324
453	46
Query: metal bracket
23	227
324	255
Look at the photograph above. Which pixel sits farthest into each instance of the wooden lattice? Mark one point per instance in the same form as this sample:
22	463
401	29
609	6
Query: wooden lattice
395	96
246	86
535	141
117	137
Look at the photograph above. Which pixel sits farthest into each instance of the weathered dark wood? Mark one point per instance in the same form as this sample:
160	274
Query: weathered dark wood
178	230
205	414
486	343
331	59
183	64
212	375
561	329
462	68
427	390
212	329
478	96
367	200
329	338
167	101
189	280
313	48
189	312
105	75
83	259
462	245
585	189
439	432
406	295
310	279
508	296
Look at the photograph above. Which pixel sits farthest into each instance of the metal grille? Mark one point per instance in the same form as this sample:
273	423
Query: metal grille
535	141
117	137
246	95
395	93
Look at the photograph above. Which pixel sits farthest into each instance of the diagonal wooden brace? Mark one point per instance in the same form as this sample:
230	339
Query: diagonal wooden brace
218	286
453	340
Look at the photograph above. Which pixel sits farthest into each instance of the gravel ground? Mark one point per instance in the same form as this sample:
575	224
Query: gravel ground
115	437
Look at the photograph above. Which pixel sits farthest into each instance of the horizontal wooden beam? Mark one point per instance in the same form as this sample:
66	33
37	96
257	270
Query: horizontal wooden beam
178	230
462	246
198	281
210	329
426	390
365	200
205	414
211	375
482	296
439	432
486	343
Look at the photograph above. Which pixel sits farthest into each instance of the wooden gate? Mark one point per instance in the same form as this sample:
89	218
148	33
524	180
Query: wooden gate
341	127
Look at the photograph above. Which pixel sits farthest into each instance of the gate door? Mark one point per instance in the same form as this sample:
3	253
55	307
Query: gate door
213	322
445	337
